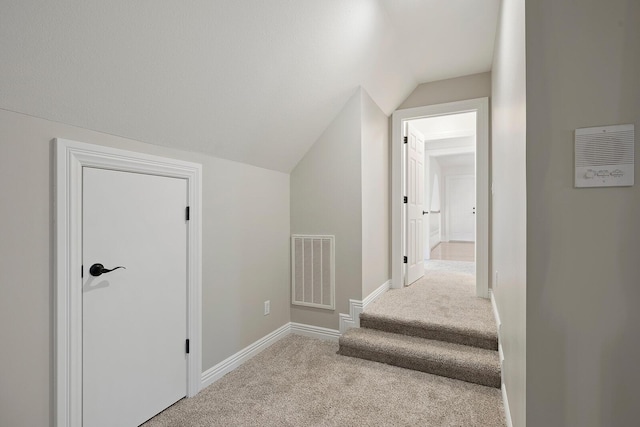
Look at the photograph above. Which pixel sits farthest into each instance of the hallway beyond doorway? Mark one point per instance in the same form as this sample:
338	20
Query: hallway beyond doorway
454	251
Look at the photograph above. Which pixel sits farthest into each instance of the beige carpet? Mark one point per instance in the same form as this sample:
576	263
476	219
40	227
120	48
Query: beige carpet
442	305
300	381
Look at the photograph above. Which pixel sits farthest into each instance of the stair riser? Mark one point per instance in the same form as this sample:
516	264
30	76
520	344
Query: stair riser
429	333
458	373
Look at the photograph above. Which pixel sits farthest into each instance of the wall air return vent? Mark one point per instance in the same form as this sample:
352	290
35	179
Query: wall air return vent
313	271
604	156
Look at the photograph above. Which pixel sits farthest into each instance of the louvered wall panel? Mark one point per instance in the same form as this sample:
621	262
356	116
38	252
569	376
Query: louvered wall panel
313	271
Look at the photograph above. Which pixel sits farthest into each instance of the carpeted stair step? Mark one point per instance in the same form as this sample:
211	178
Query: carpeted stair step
486	339
471	364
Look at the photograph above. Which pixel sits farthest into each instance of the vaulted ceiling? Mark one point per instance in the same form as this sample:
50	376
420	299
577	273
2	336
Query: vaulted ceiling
256	81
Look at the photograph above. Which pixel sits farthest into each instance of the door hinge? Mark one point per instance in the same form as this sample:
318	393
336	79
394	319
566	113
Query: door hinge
405	260
82	271
187	213
187	346
406	139
406	199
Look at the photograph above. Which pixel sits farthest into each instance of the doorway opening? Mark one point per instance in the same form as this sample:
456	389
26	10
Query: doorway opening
449	186
440	190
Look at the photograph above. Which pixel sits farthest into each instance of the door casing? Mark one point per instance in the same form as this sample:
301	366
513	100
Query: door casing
399	117
70	158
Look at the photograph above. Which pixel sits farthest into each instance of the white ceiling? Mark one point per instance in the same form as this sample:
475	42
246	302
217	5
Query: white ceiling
254	81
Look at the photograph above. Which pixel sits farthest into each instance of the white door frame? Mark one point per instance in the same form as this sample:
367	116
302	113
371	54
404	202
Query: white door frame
481	107
70	158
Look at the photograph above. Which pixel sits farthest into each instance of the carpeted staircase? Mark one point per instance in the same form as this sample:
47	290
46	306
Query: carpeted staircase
464	349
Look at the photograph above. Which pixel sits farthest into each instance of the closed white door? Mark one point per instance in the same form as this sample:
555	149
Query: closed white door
461	208
134	319
415	205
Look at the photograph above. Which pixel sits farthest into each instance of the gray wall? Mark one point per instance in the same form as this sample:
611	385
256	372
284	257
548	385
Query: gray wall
245	257
509	220
341	187
583	245
458	89
326	198
376	215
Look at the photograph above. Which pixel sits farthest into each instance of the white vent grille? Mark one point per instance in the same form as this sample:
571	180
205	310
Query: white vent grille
604	156
313	271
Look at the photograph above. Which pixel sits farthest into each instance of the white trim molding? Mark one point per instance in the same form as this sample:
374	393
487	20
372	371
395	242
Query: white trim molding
352	320
496	315
70	158
505	400
315	331
216	372
399	118
507	411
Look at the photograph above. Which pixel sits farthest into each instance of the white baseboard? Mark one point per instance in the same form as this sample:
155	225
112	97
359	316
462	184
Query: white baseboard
314	331
507	411
216	372
496	315
376	293
352	320
494	305
505	400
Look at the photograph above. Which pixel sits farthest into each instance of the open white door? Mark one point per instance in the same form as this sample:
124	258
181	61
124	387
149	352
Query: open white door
134	320
415	205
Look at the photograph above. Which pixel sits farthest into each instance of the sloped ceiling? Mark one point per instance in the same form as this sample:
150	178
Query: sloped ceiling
252	81
449	38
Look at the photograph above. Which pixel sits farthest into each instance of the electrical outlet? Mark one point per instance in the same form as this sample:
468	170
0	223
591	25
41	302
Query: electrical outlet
267	307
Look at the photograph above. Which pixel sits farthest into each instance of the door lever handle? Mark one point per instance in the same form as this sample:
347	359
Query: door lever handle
425	213
98	269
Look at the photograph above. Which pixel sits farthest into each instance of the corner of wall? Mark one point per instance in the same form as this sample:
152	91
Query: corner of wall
376	176
326	198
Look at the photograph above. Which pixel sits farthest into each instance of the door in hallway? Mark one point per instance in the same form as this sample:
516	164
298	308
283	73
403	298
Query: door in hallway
415	205
461	208
134	363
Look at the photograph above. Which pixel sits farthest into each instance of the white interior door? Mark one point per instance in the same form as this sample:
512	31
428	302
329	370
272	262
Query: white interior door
134	320
415	205
461	208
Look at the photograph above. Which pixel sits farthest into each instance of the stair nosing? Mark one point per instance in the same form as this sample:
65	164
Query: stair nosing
472	333
402	339
453	334
484	371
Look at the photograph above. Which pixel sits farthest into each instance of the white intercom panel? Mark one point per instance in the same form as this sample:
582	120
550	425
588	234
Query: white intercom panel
604	156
